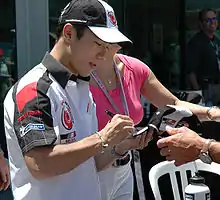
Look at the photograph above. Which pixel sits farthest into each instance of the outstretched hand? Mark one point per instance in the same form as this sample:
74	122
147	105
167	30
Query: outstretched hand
183	145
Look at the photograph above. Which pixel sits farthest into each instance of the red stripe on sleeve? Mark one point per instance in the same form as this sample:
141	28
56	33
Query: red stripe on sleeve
28	93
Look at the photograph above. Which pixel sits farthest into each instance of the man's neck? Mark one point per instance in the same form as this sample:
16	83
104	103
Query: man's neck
62	57
210	35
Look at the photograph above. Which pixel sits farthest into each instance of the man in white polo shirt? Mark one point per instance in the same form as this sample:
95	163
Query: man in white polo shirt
50	120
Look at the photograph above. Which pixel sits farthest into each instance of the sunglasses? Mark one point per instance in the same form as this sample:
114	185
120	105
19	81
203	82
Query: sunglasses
209	20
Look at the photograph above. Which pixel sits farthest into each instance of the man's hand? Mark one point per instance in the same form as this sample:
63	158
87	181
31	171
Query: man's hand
117	129
184	145
4	174
214	113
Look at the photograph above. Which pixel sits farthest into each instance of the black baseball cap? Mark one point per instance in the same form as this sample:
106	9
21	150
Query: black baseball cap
97	15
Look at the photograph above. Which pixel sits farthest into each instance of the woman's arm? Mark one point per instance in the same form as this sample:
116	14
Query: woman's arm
160	96
156	93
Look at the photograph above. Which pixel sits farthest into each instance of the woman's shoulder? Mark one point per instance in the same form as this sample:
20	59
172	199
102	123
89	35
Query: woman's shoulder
135	68
128	60
132	63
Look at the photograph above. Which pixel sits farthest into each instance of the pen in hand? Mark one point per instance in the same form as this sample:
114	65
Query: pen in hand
110	113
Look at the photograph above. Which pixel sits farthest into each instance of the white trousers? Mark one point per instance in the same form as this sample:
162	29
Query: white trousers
117	183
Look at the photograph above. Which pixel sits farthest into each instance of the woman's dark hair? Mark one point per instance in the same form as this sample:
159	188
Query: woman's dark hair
203	12
80	28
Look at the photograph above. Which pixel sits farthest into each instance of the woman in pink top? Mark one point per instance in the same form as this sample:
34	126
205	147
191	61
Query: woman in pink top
117	179
117	86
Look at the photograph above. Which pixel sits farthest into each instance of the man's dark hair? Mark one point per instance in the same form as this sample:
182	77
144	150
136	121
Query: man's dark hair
203	12
80	28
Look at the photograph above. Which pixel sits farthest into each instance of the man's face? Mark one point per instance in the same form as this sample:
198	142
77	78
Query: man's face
87	52
210	22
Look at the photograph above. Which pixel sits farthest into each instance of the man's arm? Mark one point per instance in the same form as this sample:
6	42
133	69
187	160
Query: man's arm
45	162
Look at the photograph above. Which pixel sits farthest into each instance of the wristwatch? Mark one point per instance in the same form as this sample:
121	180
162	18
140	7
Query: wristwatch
204	153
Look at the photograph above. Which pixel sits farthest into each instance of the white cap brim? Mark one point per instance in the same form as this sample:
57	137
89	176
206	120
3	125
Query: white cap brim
110	35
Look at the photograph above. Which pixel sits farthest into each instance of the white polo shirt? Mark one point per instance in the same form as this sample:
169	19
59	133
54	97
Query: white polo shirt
50	106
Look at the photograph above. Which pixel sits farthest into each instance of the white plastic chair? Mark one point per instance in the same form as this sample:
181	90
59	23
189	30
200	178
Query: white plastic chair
166	167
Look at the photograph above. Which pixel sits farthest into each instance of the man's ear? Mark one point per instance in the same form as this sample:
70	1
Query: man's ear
68	32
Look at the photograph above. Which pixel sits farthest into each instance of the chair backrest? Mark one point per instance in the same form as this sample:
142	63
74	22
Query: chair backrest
166	167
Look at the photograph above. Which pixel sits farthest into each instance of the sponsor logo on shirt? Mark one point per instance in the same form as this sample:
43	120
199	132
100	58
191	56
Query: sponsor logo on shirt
66	116
29	113
68	138
29	127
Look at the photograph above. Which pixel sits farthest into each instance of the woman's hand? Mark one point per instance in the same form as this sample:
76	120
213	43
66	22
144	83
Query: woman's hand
137	142
4	174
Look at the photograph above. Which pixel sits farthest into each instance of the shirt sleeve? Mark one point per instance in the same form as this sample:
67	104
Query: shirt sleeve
33	120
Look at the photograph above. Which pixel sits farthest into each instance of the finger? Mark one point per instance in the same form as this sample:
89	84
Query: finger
125	117
161	143
3	176
142	142
126	132
1	184
126	126
172	131
165	151
148	137
122	123
5	186
137	143
8	181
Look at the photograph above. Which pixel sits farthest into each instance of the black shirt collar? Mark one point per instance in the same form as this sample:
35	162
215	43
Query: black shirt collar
59	71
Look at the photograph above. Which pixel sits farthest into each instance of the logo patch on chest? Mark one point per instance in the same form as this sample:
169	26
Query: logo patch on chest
66	116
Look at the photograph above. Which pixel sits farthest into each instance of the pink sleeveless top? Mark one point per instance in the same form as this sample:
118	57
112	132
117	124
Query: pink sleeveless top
135	74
